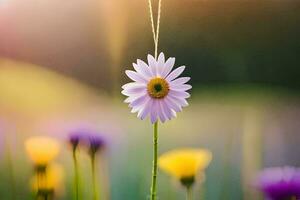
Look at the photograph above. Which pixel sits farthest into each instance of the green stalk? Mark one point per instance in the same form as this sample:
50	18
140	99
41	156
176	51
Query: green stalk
46	196
11	176
189	193
10	169
40	172
154	167
94	180
76	174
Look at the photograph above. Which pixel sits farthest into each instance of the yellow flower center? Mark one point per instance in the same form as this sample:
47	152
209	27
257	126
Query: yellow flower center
158	88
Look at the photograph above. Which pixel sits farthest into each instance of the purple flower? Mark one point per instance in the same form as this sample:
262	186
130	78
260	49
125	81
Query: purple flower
156	90
75	139
96	142
280	183
93	140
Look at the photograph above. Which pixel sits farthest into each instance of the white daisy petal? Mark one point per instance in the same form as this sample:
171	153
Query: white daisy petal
135	93
179	81
145	110
153	112
180	94
135	76
152	64
173	113
160	116
138	101
138	70
160	64
172	104
134	89
168	66
182	87
181	101
130	99
160	112
166	109
174	74
133	85
135	109
143	67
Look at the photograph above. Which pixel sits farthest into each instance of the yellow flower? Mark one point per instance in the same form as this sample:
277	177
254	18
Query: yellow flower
184	164
51	181
42	150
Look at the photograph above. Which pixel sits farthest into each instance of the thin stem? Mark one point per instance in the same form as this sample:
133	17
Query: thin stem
10	170
94	177
11	176
189	193
76	174
41	182
154	167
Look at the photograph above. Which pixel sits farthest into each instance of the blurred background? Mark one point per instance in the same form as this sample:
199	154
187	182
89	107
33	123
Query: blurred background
62	66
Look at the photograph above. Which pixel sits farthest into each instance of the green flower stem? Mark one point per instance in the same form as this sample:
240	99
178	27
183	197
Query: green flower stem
94	180
45	196
154	167
10	167
189	193
76	174
11	176
40	171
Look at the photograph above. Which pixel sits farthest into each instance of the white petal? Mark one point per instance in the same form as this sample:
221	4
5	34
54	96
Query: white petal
143	68
181	101
172	104
134	93
142	114
166	109
163	117
182	87
168	66
181	94
131	85
179	81
173	113
153	113
160	64
174	74
130	99
135	109
139	101
136	89
135	76
152	64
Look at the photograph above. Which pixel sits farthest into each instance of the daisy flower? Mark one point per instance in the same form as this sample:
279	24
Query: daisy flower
156	91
